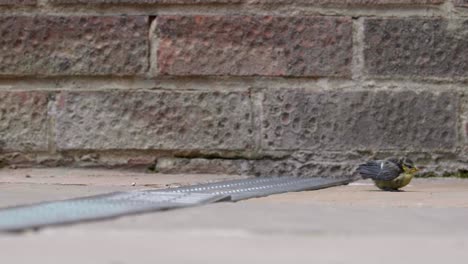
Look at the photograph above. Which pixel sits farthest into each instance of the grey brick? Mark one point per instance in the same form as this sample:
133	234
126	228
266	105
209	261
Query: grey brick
354	2
23	121
334	120
145	2
416	47
311	2
17	2
260	168
461	3
154	120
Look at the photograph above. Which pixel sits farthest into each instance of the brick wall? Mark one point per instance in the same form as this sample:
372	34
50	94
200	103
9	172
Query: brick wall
260	87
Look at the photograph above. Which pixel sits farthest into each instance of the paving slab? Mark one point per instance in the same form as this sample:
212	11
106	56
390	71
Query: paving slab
106	177
349	224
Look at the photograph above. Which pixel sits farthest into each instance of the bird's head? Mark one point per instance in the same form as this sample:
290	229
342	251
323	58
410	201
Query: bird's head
407	165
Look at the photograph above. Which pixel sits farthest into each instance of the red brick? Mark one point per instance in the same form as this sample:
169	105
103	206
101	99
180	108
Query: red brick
23	121
254	45
17	2
73	45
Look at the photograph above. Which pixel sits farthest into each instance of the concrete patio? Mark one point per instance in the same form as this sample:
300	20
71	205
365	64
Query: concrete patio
350	224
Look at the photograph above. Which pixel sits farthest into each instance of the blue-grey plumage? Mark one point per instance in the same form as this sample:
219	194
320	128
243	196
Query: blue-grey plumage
390	174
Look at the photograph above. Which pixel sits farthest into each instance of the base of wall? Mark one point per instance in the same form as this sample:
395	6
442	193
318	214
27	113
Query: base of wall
298	163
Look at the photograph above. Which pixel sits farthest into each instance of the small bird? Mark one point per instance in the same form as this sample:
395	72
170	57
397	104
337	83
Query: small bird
390	174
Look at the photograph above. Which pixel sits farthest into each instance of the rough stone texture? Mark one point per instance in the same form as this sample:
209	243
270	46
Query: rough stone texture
23	121
259	168
144	2
17	2
465	119
73	45
291	167
17	159
254	45
333	120
466	132
204	166
313	2
416	47
354	2
154	120
463	3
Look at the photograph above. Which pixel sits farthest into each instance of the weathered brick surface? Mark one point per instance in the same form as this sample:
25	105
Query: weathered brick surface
145	2
290	167
416	47
354	2
23	121
313	2
466	132
154	120
17	2
465	119
463	3
254	45
73	45
263	167
294	119
206	166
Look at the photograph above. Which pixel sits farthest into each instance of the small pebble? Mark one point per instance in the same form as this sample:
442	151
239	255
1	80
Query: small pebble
133	183
27	176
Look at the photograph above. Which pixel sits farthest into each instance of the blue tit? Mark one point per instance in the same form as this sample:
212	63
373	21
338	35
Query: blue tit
390	174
